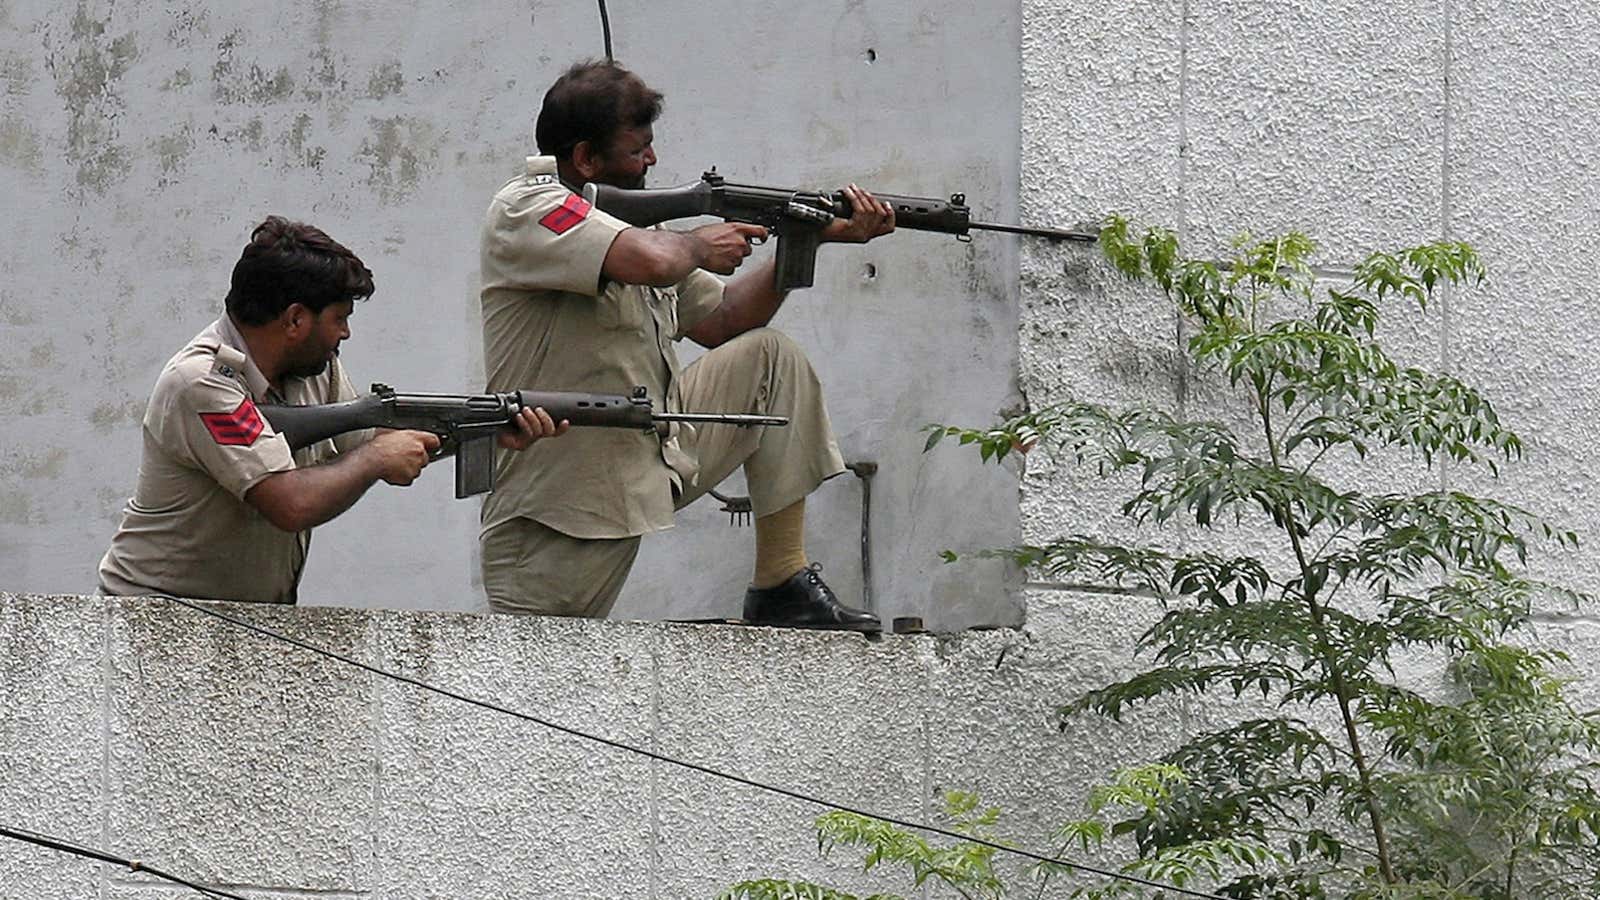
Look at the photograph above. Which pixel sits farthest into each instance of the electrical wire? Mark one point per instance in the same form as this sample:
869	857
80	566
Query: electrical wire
663	758
605	29
133	865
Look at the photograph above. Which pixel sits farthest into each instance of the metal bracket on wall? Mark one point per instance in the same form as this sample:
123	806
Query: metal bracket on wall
864	470
739	511
737	508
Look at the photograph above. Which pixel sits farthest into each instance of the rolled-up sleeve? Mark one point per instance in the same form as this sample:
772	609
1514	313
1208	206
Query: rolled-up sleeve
699	295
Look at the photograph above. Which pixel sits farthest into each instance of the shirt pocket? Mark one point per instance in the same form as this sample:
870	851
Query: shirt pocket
664	303
623	310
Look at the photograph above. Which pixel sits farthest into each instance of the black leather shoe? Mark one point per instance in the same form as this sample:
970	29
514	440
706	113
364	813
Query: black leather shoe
805	601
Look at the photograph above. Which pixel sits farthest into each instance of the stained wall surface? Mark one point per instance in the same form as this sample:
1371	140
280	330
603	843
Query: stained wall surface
140	142
1366	128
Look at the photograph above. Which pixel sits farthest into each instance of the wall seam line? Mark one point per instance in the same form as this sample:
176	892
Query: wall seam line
652	859
1446	198
927	745
1564	618
1447	207
1184	231
379	687
105	738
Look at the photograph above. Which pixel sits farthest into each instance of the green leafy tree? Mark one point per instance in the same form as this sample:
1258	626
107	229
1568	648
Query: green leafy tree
1357	783
965	867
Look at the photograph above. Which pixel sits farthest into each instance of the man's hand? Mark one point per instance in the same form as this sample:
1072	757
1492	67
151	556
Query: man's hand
725	244
400	455
869	218
532	424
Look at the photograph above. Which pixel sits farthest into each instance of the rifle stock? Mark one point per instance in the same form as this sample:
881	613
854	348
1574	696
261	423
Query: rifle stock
652	206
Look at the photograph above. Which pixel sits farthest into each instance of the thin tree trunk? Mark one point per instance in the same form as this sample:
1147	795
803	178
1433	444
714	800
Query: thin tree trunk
1340	687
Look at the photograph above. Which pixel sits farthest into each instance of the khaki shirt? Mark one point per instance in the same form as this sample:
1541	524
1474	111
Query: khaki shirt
550	322
188	531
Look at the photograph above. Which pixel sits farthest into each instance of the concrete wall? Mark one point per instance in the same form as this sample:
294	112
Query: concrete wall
158	733
1366	129
154	732
129	721
140	142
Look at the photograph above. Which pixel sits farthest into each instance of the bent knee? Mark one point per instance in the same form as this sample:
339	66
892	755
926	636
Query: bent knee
772	343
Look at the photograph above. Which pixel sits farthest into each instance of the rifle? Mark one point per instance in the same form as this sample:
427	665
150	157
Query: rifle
796	217
465	422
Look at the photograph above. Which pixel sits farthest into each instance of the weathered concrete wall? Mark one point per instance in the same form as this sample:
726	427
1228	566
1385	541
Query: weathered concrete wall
129	721
159	733
154	732
1366	129
140	142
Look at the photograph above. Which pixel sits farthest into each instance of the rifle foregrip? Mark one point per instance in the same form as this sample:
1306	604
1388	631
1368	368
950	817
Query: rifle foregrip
916	213
601	410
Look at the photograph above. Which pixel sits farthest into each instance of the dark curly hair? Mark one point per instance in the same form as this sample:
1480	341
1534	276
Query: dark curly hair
592	101
291	262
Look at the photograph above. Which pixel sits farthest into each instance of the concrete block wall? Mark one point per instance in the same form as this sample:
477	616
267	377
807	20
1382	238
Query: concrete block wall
158	733
133	724
140	142
1366	129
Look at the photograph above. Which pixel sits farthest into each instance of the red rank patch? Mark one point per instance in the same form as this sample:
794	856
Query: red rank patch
571	211
238	428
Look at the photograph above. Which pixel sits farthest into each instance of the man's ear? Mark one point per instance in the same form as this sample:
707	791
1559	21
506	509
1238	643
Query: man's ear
587	160
296	320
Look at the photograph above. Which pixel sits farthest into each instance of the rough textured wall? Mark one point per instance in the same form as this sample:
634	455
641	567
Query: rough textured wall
140	142
1366	130
154	732
161	734
1431	119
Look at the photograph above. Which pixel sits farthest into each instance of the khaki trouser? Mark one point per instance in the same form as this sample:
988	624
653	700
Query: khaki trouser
532	569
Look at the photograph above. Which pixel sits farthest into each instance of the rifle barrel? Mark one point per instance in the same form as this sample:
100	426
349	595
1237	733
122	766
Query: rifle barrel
723	418
1055	234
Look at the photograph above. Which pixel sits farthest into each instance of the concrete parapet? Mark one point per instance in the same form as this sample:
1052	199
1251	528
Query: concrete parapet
155	732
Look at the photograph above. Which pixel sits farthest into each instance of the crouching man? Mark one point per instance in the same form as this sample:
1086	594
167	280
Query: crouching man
223	510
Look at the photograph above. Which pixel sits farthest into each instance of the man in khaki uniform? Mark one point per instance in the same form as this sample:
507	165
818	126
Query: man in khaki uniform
575	299
223	509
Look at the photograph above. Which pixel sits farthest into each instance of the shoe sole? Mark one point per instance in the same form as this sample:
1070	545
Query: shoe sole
859	629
